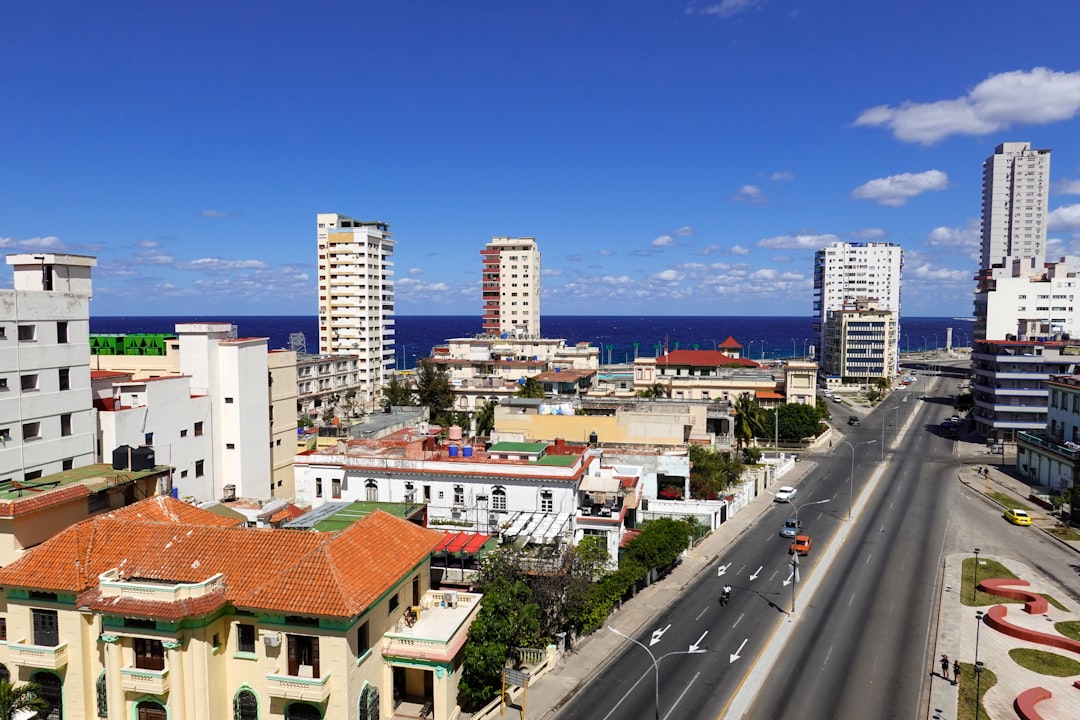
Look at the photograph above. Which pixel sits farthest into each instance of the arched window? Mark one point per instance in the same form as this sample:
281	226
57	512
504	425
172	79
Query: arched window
498	499
150	710
52	693
371	491
302	711
245	705
102	698
369	703
5	674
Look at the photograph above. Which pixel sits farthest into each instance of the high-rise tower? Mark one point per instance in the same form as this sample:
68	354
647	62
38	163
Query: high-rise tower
356	297
511	287
1016	189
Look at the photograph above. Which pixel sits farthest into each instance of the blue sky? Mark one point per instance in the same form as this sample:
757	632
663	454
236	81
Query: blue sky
670	156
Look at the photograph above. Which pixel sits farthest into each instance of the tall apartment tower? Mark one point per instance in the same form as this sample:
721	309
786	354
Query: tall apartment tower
852	278
511	287
356	297
47	422
1016	190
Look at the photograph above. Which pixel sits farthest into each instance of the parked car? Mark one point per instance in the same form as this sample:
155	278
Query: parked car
791	528
784	494
955	419
801	545
836	399
1017	517
853	420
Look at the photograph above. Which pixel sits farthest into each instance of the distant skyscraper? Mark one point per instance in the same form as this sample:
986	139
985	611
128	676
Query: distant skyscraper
511	287
356	297
1016	188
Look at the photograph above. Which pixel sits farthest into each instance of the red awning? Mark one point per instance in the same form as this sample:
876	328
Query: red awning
475	543
458	542
448	537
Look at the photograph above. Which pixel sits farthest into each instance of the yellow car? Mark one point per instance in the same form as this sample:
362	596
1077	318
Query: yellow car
1017	517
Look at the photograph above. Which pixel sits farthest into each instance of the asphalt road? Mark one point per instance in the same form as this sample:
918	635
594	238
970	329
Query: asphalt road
859	645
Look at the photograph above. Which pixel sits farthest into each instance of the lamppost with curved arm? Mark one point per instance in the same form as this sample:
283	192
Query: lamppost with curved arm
750	350
793	350
694	650
795	554
924	343
851	477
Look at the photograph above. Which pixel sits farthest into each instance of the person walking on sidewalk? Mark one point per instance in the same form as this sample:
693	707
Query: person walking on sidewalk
956	671
945	666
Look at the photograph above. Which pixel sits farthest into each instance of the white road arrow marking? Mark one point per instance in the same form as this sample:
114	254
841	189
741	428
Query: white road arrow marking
735	656
755	575
694	647
788	581
722	569
657	634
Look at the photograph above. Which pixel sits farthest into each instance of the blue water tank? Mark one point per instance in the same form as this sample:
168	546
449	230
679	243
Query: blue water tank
453	450
175	492
467	451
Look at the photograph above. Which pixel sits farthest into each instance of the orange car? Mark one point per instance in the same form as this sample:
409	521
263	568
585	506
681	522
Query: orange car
801	545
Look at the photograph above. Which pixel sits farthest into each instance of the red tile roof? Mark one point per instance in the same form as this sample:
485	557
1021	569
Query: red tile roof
703	358
285	571
731	342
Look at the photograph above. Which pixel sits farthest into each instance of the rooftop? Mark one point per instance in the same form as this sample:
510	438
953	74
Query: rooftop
86	479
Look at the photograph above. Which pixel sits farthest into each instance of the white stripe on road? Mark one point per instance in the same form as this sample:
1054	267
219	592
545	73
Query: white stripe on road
685	690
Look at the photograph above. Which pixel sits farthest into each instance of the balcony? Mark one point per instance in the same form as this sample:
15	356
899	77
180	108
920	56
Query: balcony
1072	453
436	629
295	687
39	656
139	680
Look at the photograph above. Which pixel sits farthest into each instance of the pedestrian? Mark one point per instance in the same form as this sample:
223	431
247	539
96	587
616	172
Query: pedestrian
945	666
956	671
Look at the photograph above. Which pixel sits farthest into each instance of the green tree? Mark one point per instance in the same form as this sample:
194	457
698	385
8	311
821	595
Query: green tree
485	418
712	472
531	388
964	402
23	698
433	389
397	393
749	419
796	422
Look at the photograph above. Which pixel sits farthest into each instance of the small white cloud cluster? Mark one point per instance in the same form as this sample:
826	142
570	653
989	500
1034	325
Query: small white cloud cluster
896	190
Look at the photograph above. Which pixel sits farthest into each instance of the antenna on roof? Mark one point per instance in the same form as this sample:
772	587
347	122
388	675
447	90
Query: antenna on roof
298	343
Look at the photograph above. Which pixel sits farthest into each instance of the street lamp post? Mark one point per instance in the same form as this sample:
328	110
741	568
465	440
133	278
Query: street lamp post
975	581
694	650
851	477
750	350
924	343
793	350
978	627
978	685
795	555
804	341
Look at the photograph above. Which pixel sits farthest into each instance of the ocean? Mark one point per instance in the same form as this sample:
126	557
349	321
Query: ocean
620	338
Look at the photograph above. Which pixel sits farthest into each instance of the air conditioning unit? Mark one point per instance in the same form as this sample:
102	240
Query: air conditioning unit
493	519
451	598
228	493
271	639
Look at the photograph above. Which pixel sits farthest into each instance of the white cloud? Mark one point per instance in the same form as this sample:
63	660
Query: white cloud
218	214
550	272
416	271
729	8
739	250
50	242
937	274
1064	218
147	243
219	265
966	237
684	231
1036	97
669	276
782	176
605	253
663	241
896	190
868	234
1065	186
798	242
612	280
750	195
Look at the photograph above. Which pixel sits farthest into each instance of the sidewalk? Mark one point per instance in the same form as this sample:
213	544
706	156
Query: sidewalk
576	668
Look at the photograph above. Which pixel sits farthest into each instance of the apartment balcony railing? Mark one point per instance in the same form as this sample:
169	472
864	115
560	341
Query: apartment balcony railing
1072	453
295	687
38	656
139	680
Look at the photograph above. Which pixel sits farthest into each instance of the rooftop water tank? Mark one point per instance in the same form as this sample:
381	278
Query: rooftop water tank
467	451
455	432
142	458
453	450
120	457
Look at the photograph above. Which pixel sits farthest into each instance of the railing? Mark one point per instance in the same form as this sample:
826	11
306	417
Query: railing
155	682
39	656
293	687
1050	445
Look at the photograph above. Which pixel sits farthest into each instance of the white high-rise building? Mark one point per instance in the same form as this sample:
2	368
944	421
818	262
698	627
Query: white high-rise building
356	297
47	420
511	287
1016	190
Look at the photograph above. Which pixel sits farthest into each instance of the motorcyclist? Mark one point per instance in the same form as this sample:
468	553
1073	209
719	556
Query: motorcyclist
725	595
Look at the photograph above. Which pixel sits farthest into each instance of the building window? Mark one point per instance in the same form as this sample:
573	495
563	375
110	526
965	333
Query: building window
200	468
245	637
183	433
198	429
5	435
51	691
228	401
3	384
29	382
65	425
245	706
46	629
371	491
498	499
31	431
318	487
303	656
547	503
3	629
363	641
394	602
32	475
335	488
62	332
149	654
230	446
67	464
101	695
65	379
27	333
459	495
369	703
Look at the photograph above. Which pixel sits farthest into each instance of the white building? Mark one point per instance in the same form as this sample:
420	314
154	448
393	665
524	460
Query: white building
1016	190
1052	457
850	273
1026	298
860	344
46	416
356	297
163	414
511	287
325	381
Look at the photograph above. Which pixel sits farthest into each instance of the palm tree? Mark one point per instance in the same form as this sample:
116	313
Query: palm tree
22	698
654	391
749	419
485	418
531	388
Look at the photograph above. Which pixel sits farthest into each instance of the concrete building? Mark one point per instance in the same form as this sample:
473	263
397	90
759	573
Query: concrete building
1051	457
511	287
1016	190
356	298
326	381
850	273
281	372
1026	298
47	421
174	612
1009	386
861	344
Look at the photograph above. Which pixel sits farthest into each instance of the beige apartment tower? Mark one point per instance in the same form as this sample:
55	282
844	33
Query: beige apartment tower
356	297
511	287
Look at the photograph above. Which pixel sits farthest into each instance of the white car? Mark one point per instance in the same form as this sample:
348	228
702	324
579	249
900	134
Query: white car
785	494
